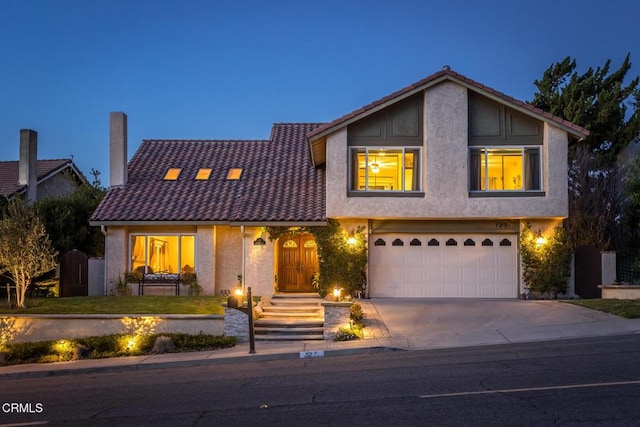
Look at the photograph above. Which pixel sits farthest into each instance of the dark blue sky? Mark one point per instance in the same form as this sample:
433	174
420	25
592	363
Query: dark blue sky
196	69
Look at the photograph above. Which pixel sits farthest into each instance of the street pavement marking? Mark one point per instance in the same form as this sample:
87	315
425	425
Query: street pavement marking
519	390
33	423
316	353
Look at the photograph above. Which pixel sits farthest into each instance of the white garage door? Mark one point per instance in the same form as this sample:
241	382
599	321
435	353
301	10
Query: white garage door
443	266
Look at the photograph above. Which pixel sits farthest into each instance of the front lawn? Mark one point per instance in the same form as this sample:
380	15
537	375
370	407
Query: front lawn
627	308
147	304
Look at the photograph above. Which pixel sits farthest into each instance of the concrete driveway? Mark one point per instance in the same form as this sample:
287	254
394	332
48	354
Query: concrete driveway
441	323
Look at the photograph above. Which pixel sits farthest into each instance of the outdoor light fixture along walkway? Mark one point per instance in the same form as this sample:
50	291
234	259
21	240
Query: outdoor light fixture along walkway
236	301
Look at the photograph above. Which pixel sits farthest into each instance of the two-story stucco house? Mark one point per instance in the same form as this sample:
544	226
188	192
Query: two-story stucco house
443	174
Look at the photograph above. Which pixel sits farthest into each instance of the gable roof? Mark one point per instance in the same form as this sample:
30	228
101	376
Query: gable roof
9	173
316	137
279	184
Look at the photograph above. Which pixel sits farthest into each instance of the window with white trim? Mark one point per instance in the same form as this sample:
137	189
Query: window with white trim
162	253
385	169
505	169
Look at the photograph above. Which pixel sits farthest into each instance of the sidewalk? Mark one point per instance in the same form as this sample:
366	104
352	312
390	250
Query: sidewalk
553	320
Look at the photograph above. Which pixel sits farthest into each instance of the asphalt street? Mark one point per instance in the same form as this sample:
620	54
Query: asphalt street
591	381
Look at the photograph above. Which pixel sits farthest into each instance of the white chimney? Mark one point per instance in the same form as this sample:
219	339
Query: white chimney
28	164
117	149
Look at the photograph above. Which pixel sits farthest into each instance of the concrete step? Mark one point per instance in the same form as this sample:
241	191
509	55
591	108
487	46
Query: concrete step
289	338
288	322
291	317
292	308
296	301
299	314
289	330
296	295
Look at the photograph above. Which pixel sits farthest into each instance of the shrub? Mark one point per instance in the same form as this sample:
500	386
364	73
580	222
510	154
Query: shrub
546	267
122	287
163	344
99	347
356	312
349	333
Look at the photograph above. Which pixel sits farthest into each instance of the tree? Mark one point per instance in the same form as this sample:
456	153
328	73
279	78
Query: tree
25	248
595	200
66	219
600	101
630	224
546	265
596	100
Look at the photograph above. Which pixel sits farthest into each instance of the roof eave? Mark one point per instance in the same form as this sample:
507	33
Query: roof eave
120	223
317	138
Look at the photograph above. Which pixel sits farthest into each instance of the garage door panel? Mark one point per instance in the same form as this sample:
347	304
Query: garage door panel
414	257
433	257
488	290
470	274
451	274
414	274
469	290
479	266
434	274
433	290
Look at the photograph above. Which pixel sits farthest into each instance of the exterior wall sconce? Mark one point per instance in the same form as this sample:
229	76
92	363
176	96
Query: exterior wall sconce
540	239
259	242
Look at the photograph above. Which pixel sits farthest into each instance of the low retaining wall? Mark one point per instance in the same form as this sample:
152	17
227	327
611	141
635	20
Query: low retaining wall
43	327
620	291
336	314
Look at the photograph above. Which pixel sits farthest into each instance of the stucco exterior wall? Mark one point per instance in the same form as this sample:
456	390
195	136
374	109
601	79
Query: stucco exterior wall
205	254
445	172
115	257
218	258
228	257
260	261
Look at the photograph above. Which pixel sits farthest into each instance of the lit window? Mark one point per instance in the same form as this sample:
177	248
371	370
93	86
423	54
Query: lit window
203	174
234	174
163	253
505	169
172	174
385	169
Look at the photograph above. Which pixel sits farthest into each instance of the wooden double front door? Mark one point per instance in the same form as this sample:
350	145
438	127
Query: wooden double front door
297	262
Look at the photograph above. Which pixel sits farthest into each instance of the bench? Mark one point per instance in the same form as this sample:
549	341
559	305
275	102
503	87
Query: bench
159	279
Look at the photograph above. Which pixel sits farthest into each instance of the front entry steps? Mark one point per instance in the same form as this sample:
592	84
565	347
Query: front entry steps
291	317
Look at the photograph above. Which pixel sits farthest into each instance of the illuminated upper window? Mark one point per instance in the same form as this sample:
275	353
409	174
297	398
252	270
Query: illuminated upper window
203	174
234	174
172	174
505	169
385	169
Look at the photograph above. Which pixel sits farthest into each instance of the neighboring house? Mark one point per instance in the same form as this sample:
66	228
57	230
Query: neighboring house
36	179
443	174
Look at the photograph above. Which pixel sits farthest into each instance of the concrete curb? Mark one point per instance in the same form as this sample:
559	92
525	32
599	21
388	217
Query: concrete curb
174	360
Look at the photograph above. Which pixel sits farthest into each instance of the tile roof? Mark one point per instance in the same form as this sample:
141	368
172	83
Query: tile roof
447	74
278	184
9	172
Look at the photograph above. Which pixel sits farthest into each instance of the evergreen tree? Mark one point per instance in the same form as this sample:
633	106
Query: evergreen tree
597	100
67	219
600	101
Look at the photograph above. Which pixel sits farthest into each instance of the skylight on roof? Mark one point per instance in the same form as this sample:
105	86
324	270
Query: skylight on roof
172	174
234	174
203	174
